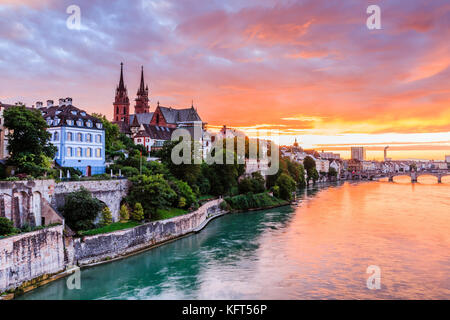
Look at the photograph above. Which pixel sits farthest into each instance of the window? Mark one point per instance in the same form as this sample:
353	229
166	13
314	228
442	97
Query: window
83	114
117	110
88	152
69	151
99	125
69	136
89	137
56	121
74	112
80	123
79	152
69	122
49	122
79	137
98	138
56	136
98	153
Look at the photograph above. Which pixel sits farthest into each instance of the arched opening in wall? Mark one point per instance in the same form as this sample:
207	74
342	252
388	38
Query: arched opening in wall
6	206
20	210
88	171
445	179
37	208
427	179
402	179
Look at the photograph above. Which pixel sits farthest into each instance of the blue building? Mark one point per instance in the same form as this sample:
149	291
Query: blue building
79	137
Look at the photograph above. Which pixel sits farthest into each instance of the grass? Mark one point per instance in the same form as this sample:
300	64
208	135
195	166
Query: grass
168	213
110	228
206	197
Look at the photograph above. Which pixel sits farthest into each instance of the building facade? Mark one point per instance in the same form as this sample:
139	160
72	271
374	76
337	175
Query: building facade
79	137
358	153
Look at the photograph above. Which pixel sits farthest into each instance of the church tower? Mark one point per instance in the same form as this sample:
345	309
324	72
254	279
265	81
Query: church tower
121	103
142	97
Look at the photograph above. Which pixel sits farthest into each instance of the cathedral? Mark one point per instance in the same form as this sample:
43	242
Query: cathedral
152	129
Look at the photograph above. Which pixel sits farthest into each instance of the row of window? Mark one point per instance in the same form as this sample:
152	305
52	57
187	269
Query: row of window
79	122
83	152
80	137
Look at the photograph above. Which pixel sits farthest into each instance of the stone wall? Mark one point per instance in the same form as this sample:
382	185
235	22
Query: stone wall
91	249
29	256
111	192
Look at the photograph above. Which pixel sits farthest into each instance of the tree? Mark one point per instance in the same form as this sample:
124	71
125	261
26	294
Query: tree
124	213
183	191
152	192
138	212
332	172
81	209
310	166
6	226
28	140
286	186
106	216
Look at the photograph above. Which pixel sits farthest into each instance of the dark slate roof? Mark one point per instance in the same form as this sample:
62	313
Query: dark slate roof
6	106
158	133
179	115
69	112
142	118
123	127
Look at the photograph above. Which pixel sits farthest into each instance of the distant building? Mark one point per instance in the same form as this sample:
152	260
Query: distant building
158	126
447	159
3	132
358	153
330	155
79	137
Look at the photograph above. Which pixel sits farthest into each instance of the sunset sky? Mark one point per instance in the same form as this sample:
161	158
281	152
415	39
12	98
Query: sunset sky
308	69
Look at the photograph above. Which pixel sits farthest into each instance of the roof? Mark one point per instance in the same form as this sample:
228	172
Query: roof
69	112
158	132
142	118
179	115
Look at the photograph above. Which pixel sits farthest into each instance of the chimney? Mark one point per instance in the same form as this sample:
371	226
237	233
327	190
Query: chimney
49	103
68	101
62	102
39	104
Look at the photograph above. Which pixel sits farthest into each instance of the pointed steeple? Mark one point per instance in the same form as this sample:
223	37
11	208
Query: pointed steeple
142	85
121	83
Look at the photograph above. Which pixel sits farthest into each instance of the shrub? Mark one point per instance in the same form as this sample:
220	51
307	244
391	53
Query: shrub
81	209
106	217
250	201
6	226
124	213
287	186
138	212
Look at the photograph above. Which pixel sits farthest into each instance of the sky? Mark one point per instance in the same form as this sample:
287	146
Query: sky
305	69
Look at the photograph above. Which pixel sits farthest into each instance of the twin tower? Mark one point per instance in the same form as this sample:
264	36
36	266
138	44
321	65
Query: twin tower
122	103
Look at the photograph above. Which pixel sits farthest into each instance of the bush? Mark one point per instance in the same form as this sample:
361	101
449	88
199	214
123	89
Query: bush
81	209
286	186
185	196
124	213
251	201
6	226
138	212
106	217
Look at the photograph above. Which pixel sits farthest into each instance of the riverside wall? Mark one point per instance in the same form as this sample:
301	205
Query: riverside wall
103	247
31	257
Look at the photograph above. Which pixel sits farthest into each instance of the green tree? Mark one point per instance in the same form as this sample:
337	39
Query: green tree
183	190
152	192
332	172
286	186
310	167
106	216
81	209
6	226
124	213
28	140
138	212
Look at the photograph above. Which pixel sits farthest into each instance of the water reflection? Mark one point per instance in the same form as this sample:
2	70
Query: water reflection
321	250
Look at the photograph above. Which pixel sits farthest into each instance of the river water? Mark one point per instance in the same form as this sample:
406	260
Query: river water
320	249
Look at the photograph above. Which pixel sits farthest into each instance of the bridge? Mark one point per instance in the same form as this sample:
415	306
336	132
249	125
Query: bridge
414	175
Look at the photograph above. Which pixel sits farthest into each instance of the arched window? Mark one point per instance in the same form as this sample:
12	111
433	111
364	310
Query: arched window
56	136
79	136
117	110
69	151
88	152
98	153
88	137
157	118
79	152
69	136
98	138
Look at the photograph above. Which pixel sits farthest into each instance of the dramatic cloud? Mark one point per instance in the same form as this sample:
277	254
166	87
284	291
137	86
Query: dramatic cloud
307	67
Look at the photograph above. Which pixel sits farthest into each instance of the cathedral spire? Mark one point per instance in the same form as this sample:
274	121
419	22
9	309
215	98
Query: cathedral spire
121	83
142	86
142	100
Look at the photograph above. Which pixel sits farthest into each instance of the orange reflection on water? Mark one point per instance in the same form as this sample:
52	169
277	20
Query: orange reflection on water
335	235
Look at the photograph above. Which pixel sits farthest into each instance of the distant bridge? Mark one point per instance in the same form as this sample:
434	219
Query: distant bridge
373	175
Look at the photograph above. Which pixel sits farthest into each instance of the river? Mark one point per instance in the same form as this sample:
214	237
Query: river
320	249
